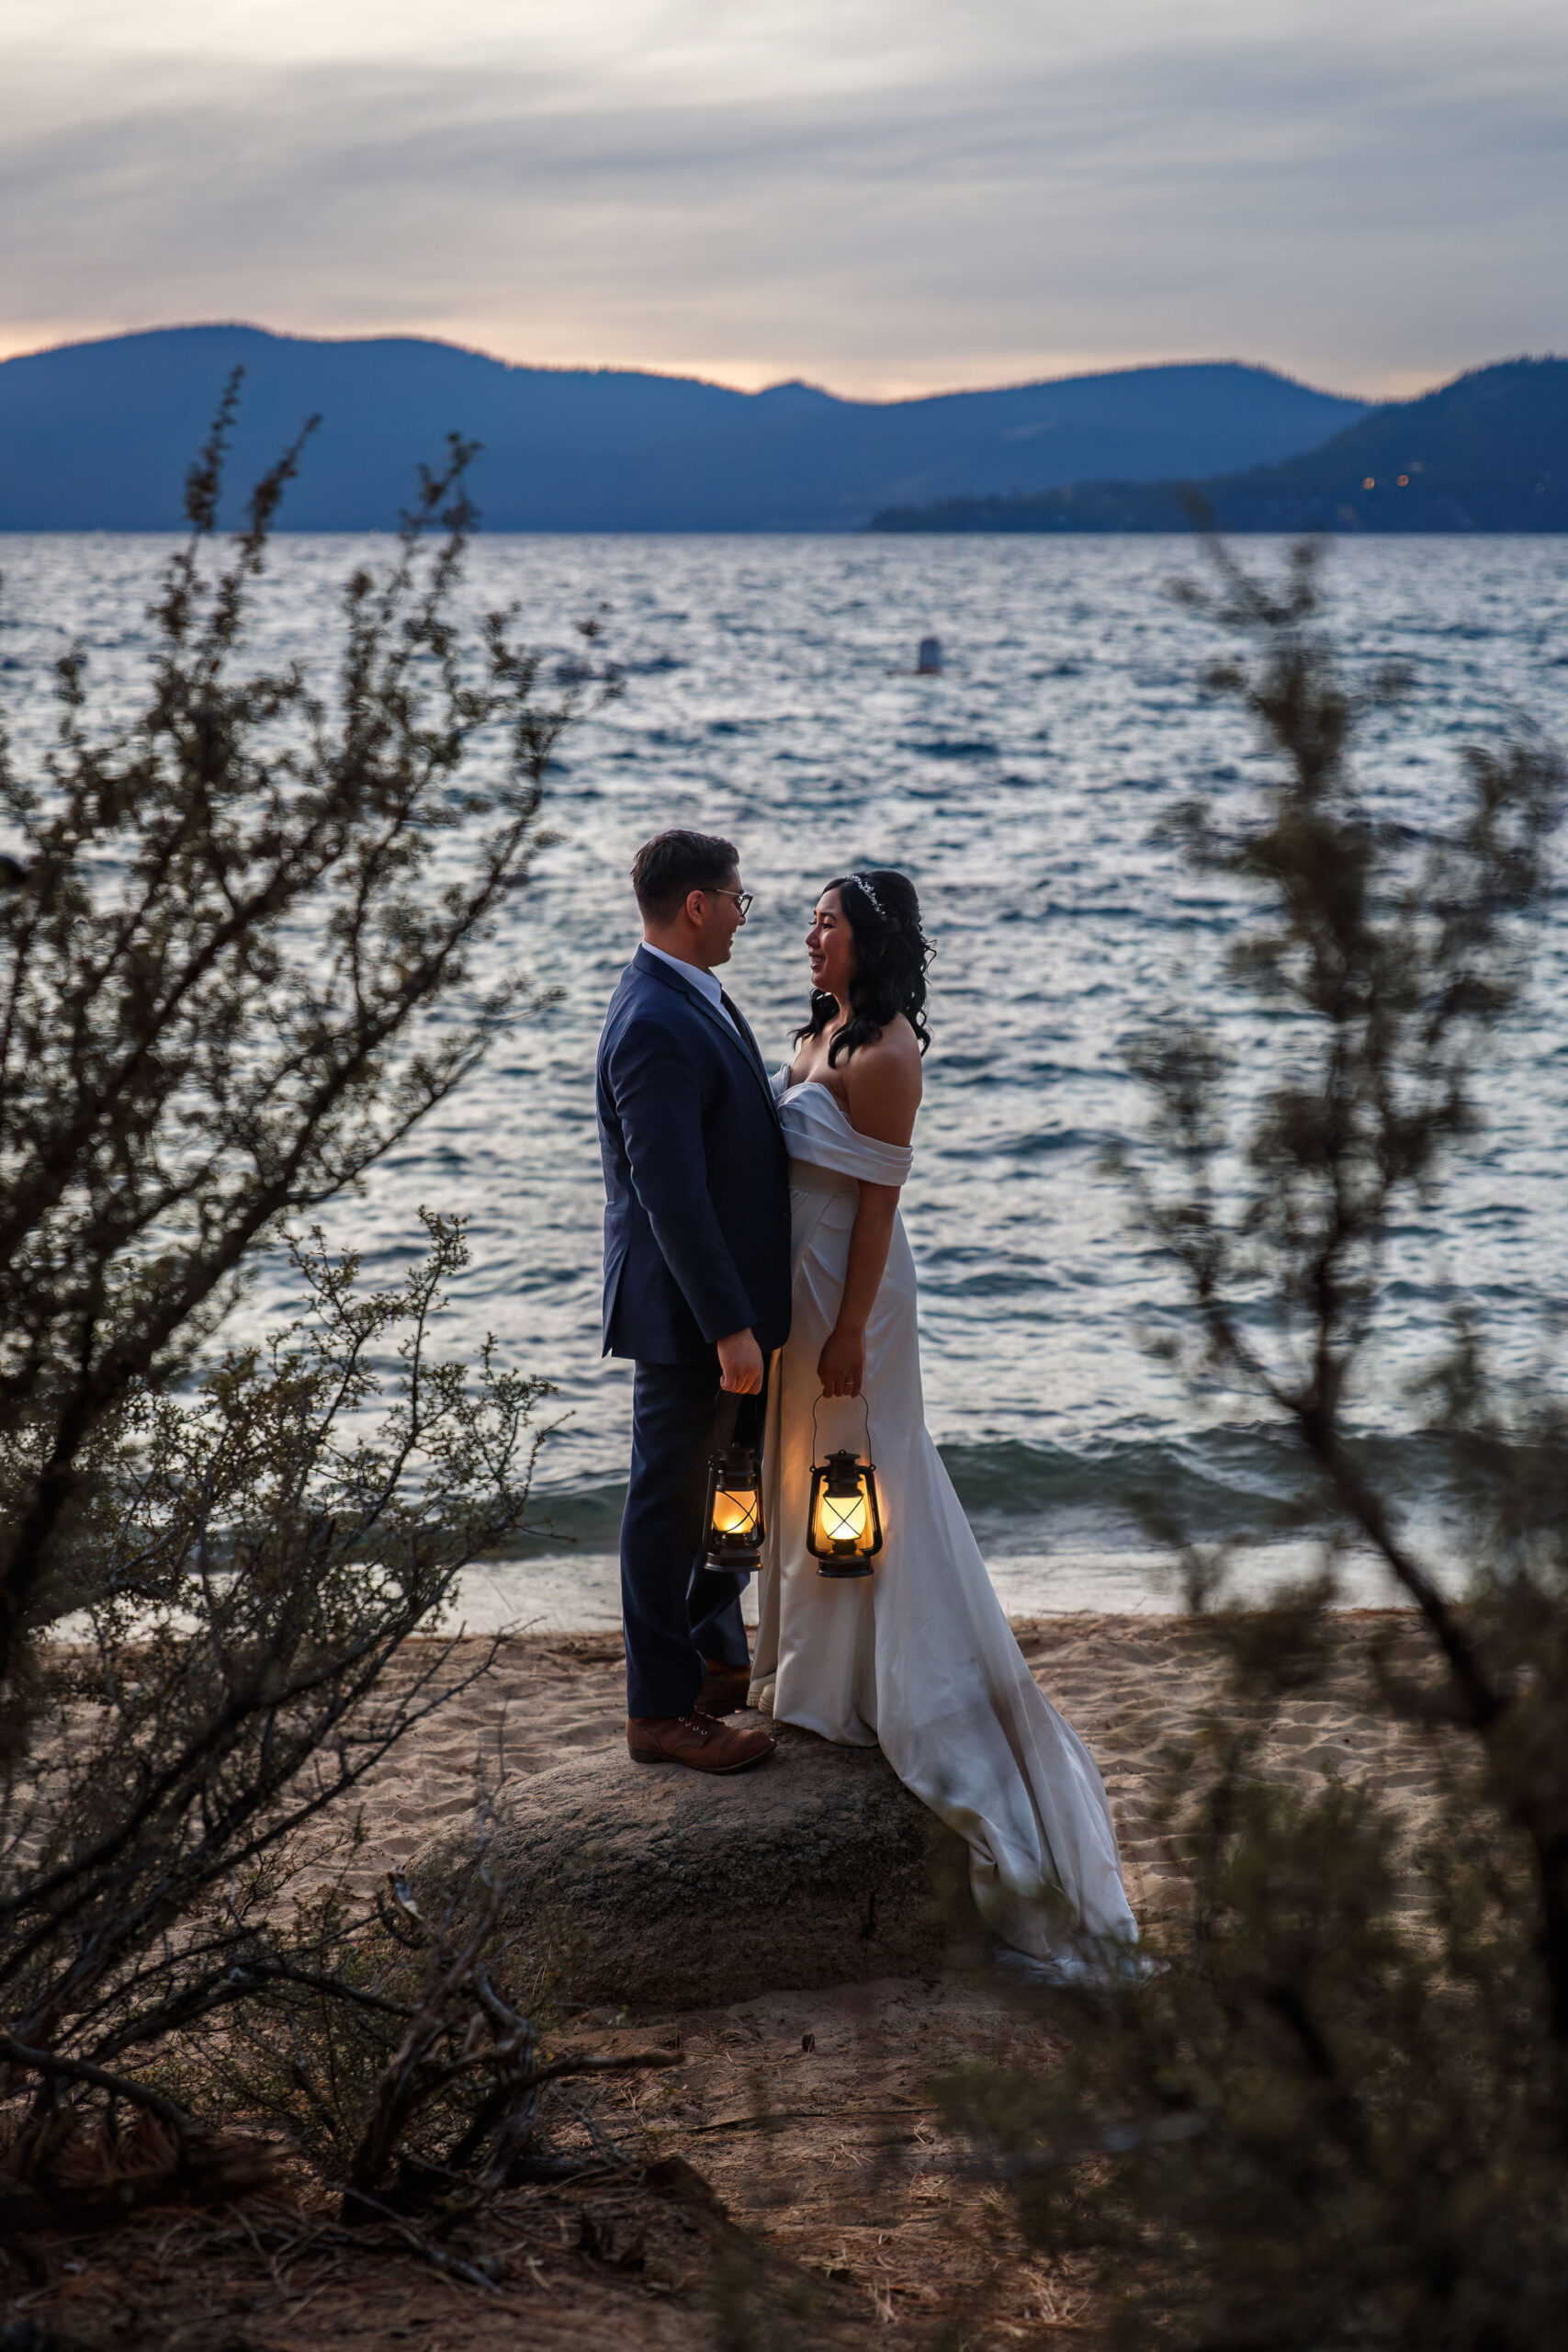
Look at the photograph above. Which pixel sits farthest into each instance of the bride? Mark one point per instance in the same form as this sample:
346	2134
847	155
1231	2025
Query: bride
917	1657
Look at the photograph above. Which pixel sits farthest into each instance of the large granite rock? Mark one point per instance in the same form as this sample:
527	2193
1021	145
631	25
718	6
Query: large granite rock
657	1888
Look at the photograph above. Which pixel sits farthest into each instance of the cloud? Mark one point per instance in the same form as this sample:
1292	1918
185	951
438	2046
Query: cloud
877	198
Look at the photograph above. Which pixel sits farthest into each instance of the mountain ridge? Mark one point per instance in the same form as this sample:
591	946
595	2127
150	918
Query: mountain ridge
666	376
1487	451
98	435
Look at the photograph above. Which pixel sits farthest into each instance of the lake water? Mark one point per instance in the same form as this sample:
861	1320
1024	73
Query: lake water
769	697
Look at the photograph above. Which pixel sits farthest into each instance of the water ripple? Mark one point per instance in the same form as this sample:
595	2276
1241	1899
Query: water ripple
770	695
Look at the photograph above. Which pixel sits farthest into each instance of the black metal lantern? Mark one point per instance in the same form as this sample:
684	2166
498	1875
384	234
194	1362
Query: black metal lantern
733	1519
843	1533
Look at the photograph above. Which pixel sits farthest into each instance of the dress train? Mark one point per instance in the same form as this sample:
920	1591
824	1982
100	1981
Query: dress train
919	1657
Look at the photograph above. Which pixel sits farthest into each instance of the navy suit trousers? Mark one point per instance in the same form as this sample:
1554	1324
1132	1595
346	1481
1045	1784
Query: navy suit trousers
678	1611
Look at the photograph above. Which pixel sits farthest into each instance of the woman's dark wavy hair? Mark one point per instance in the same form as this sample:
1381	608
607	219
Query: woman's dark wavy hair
891	955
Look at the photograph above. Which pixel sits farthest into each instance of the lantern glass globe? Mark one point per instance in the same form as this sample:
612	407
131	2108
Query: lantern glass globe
841	1519
734	1514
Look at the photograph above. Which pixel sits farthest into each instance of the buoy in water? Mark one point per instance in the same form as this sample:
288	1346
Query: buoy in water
927	660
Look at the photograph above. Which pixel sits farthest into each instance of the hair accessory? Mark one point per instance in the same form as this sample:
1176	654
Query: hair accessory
871	893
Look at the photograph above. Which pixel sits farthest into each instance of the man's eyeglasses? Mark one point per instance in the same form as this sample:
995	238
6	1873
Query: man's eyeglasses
741	898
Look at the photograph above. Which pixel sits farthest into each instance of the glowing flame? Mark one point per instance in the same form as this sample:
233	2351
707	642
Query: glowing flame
734	1514
843	1518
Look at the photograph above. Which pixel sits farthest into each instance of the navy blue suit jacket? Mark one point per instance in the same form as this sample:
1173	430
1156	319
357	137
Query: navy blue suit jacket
696	1176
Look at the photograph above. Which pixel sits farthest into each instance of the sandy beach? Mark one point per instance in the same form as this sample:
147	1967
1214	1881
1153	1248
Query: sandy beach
790	2180
1130	1685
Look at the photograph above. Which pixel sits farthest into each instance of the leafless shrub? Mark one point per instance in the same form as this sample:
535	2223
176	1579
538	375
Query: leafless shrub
235	969
1336	2116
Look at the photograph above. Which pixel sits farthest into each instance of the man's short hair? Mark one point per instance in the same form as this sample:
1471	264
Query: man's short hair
672	864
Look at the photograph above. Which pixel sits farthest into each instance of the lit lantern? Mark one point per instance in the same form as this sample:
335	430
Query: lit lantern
845	1530
732	1522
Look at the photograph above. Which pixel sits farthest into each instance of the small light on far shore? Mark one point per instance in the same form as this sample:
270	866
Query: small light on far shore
1404	482
1371	482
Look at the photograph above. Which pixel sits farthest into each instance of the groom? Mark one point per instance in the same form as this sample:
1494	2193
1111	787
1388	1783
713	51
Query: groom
696	1286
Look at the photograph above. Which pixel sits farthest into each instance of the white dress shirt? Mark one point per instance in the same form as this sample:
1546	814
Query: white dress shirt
707	981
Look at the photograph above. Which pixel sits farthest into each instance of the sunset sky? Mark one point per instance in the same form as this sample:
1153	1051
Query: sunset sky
881	196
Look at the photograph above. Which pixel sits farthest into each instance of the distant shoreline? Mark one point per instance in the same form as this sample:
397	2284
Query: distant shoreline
1487	455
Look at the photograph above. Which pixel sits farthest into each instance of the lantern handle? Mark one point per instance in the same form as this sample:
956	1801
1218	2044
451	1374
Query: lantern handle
865	1409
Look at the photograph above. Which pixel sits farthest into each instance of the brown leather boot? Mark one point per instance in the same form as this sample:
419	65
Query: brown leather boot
724	1689
700	1741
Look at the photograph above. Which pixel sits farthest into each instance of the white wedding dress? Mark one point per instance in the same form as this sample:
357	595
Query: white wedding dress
919	1657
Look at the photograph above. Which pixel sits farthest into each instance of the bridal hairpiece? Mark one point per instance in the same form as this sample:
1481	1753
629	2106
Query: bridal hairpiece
927	946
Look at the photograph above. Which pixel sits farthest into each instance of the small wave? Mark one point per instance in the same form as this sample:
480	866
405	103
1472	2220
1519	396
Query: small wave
1044	1140
975	747
1211	1486
585	1520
